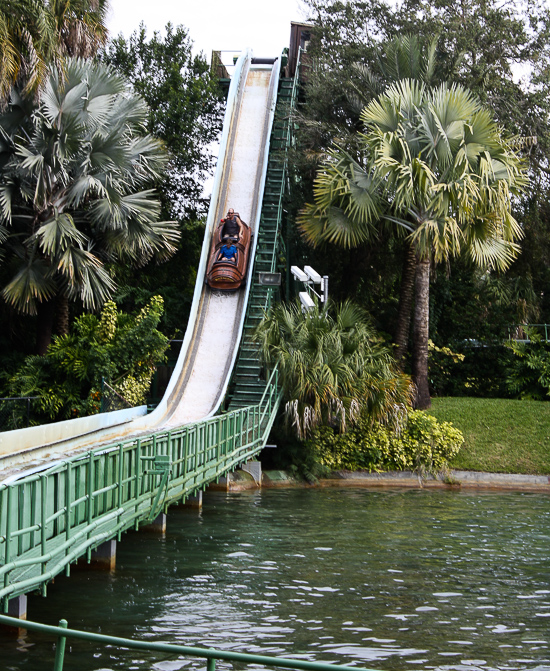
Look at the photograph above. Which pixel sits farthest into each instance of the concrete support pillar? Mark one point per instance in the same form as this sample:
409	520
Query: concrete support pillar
194	501
17	607
104	556
157	526
254	468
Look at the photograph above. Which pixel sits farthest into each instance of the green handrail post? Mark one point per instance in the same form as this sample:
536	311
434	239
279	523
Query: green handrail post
68	512
211	664
43	508
60	648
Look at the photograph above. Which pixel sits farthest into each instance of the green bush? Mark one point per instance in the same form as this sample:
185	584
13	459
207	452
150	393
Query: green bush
470	368
529	373
122	349
422	445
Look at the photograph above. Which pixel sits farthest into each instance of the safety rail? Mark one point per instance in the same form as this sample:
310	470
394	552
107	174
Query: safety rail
51	518
210	654
522	332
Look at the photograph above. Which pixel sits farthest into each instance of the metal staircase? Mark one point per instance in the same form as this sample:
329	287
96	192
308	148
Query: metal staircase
249	379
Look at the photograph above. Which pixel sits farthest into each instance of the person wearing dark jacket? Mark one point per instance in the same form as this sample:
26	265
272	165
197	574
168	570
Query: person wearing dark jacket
232	225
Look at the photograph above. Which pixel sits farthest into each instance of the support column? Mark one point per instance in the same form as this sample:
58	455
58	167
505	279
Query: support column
17	607
254	468
157	526
103	557
194	501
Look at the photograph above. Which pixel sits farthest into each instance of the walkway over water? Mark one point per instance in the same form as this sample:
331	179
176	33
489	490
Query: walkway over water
107	481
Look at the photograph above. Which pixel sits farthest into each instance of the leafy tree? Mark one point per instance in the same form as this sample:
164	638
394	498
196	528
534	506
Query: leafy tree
434	163
121	348
498	50
333	367
75	192
185	109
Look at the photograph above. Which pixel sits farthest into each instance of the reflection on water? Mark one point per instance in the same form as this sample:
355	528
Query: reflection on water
387	580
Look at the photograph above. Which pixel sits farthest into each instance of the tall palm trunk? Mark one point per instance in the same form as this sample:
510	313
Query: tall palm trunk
420	334
401	335
62	314
44	325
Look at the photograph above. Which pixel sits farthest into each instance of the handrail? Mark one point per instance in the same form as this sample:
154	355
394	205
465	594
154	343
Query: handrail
50	518
210	654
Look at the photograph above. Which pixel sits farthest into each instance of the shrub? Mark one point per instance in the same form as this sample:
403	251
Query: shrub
423	445
529	372
123	349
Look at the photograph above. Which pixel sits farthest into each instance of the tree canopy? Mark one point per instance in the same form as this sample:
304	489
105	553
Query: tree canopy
76	189
185	108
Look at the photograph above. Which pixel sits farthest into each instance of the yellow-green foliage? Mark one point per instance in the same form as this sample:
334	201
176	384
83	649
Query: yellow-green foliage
423	445
134	389
108	322
118	349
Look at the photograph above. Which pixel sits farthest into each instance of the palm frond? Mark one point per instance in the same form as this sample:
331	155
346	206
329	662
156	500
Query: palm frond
31	285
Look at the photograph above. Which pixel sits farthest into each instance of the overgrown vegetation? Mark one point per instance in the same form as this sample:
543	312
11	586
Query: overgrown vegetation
333	367
116	347
422	444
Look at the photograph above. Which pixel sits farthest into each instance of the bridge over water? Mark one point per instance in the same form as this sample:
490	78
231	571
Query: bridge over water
62	496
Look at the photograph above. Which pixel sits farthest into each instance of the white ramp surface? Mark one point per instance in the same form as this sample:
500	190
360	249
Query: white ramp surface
213	332
218	324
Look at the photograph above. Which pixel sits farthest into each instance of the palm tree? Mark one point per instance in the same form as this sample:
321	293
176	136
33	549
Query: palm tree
404	57
75	192
28	42
435	164
80	25
333	367
36	34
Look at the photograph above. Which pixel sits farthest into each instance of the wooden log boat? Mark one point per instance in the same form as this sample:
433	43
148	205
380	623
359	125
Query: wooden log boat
228	275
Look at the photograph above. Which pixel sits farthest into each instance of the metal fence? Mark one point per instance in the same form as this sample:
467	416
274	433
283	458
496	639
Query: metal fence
111	400
211	655
50	518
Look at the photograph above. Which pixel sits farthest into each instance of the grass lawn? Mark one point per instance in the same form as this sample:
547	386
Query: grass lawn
500	435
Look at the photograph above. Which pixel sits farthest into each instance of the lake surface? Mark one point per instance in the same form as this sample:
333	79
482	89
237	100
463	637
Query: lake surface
379	579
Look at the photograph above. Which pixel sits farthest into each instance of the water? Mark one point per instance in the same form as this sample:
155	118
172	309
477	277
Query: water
379	579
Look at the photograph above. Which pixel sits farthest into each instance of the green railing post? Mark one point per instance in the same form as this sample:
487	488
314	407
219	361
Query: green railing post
211	664
60	648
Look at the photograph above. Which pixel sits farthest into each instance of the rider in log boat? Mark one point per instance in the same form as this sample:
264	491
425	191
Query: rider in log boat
232	226
228	252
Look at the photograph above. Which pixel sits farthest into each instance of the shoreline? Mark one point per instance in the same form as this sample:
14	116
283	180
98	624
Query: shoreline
241	480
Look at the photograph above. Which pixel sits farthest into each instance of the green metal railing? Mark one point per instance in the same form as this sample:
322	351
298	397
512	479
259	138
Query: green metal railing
524	331
210	655
51	518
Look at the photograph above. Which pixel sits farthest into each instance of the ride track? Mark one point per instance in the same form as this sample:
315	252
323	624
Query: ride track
107	481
